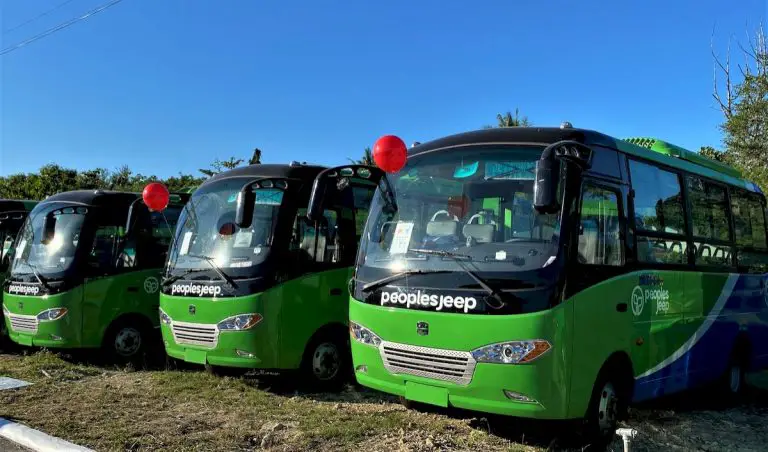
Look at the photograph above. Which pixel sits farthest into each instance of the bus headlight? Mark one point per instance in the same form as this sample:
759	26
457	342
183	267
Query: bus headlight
513	352
52	314
239	322
164	317
363	335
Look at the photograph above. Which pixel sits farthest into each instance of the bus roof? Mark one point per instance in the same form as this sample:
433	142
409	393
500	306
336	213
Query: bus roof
649	149
7	205
292	171
104	197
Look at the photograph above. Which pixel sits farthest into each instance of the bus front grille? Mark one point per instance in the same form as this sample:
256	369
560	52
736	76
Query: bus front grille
23	323
448	365
201	334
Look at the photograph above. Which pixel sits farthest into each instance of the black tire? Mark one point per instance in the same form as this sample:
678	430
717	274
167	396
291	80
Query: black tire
730	385
327	362
127	340
608	405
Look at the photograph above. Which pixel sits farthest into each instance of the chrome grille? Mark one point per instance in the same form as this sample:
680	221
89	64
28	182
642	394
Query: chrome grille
448	365
23	323
201	334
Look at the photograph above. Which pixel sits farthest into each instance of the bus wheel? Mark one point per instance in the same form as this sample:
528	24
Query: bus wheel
127	340
608	405
326	361
731	383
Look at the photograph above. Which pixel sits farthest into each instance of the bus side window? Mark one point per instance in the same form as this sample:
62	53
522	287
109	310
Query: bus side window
749	221
599	242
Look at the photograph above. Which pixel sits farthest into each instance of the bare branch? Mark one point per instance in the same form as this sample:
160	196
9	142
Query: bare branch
726	106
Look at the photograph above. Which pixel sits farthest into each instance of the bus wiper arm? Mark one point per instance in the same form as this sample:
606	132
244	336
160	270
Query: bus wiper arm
388	279
212	262
458	259
174	278
43	281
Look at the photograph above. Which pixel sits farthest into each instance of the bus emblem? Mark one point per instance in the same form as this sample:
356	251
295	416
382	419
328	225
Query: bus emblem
422	328
638	300
192	309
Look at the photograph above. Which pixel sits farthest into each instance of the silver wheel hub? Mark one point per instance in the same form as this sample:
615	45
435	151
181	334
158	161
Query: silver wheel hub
127	341
325	361
735	380
607	408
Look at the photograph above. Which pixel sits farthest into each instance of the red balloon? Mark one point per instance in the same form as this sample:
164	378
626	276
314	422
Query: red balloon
390	153
156	196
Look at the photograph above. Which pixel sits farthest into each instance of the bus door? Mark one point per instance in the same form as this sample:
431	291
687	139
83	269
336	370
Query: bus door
603	318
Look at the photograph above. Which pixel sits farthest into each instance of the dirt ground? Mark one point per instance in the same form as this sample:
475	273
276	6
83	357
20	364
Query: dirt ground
108	408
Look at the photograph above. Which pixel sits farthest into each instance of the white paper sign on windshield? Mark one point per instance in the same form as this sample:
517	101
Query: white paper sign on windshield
401	239
185	243
20	249
243	239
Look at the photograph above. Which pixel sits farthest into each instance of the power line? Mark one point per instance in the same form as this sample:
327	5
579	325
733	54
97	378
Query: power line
43	14
59	27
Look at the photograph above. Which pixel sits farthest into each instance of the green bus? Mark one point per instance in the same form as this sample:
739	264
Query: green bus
256	282
559	273
85	273
12	215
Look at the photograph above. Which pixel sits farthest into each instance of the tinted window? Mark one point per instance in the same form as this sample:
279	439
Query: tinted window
748	219
658	199
661	251
599	242
709	209
605	161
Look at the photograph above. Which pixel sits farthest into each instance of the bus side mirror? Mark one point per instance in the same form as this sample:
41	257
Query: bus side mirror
246	200
136	209
545	186
49	229
315	207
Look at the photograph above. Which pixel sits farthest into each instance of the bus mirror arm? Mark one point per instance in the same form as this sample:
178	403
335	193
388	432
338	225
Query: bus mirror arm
49	229
246	200
548	168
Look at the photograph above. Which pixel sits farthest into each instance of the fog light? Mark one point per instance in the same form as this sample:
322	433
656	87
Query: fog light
362	369
244	354
517	397
54	337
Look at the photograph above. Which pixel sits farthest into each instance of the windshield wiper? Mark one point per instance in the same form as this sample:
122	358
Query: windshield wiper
458	259
387	279
174	278
212	262
43	281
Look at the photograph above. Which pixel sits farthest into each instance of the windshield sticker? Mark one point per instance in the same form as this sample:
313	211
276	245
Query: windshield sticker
199	290
401	238
240	264
257	250
269	197
510	170
23	289
243	239
466	170
501	255
232	198
185	242
421	300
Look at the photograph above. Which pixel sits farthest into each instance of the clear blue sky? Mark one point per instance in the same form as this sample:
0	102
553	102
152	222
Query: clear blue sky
166	86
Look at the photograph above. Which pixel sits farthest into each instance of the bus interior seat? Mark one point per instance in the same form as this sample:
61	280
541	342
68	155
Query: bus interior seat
479	233
443	228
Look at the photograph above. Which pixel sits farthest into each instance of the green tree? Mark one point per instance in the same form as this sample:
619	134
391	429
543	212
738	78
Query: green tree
743	100
367	158
508	120
219	166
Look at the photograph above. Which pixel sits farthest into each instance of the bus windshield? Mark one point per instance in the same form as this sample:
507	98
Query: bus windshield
207	232
55	257
472	204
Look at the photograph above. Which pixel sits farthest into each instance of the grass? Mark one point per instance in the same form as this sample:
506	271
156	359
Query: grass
109	408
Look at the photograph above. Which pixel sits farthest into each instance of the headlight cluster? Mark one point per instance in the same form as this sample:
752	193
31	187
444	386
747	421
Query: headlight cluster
513	352
52	314
239	322
363	335
164	317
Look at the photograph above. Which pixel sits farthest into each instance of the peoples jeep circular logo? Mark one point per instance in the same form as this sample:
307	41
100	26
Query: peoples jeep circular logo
638	300
151	285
